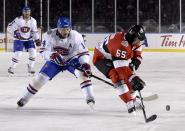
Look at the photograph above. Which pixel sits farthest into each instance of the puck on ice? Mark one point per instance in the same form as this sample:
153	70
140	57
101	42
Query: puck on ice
167	107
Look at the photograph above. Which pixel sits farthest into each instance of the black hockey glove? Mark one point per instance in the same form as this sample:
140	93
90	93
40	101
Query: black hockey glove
135	63
137	83
87	70
38	42
57	58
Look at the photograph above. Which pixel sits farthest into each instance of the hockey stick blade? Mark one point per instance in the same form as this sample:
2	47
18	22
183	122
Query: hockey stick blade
151	97
151	118
91	106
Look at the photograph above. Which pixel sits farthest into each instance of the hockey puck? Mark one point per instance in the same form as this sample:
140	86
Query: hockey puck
167	107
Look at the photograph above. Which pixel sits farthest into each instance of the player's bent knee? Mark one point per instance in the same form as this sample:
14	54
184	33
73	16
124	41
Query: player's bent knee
104	66
32	53
17	54
113	75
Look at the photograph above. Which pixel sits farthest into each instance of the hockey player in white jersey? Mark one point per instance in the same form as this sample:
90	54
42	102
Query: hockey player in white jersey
24	30
63	49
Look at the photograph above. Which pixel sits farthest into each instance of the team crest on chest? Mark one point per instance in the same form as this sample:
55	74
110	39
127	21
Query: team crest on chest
124	43
25	29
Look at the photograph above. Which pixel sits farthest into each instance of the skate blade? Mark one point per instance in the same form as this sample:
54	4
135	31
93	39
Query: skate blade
91	106
31	74
134	113
19	107
10	75
139	107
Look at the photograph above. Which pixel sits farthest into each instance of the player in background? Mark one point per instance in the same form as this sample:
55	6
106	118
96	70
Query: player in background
63	49
24	30
116	57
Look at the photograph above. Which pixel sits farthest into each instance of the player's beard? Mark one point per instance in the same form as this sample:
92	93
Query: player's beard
26	16
65	35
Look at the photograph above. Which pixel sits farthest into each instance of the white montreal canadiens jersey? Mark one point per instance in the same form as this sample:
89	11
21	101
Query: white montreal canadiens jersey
27	28
70	47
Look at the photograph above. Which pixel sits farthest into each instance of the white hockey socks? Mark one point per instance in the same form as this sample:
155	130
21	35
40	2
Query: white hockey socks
87	89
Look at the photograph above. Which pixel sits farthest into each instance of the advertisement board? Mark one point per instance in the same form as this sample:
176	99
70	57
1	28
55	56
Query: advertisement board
154	42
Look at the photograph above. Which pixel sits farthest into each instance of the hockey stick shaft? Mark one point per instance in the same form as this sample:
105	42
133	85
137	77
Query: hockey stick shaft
98	78
143	107
102	80
152	117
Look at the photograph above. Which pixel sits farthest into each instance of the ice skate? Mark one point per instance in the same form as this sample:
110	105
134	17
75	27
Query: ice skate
91	103
131	107
10	70
22	102
31	70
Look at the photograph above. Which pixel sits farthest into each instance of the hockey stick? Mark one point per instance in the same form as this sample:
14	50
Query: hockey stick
152	117
149	119
155	96
147	98
150	97
96	77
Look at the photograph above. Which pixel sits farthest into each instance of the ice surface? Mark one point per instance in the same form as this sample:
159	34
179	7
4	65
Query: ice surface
59	105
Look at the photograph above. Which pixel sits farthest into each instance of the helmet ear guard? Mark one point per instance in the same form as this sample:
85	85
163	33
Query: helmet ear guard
136	31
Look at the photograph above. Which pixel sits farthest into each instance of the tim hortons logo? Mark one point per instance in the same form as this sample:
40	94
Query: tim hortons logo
168	41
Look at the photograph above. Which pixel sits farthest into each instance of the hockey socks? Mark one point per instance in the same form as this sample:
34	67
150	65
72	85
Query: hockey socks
27	94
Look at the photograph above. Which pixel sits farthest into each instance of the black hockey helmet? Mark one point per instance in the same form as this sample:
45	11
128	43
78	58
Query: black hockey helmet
136	31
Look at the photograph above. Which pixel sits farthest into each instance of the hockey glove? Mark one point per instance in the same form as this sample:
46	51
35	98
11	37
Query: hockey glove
87	70
17	34
137	83
134	64
57	58
38	42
